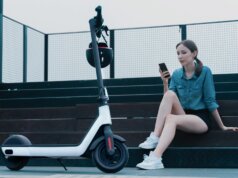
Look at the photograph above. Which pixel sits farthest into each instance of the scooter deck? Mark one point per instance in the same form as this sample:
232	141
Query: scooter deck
42	145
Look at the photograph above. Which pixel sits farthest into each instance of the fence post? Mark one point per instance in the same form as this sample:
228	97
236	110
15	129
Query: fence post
183	29
46	58
24	53
1	38
112	45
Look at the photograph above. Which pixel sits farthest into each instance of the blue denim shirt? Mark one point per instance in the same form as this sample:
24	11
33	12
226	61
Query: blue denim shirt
194	93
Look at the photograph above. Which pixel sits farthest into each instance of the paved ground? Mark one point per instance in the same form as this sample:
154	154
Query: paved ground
74	172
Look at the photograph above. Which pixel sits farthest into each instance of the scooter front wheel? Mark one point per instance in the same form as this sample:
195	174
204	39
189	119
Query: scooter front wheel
15	163
110	163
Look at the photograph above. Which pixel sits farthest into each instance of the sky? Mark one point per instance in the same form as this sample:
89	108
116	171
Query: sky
56	16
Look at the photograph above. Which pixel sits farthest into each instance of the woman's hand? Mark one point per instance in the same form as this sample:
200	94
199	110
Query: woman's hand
163	74
229	128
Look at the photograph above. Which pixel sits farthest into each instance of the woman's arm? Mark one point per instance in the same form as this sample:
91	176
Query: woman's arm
217	118
209	93
209	98
166	87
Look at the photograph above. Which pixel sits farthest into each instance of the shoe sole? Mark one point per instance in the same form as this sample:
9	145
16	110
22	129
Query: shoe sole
143	168
147	148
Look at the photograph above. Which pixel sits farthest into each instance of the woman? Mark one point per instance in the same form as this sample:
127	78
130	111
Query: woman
185	105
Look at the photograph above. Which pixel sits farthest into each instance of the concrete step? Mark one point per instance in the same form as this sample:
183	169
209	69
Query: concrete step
134	138
61	101
93	91
82	111
183	157
75	125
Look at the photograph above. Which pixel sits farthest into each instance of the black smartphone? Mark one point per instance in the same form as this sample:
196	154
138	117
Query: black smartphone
164	68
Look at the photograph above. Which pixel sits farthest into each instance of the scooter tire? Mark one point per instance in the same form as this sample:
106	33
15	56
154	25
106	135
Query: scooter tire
15	163
107	163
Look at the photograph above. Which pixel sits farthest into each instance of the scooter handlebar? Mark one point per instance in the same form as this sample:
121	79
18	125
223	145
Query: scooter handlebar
99	19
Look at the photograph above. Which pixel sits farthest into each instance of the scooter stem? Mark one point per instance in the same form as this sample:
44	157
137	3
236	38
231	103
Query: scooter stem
103	98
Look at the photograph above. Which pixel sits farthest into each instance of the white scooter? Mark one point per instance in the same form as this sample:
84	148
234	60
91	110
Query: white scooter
107	150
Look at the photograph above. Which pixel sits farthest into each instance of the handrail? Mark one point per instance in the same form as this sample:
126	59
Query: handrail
23	24
132	28
199	23
160	26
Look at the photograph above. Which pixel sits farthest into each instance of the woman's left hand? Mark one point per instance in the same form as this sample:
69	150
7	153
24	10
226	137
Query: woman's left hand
229	128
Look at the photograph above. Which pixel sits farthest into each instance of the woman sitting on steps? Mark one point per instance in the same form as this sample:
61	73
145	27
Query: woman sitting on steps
185	106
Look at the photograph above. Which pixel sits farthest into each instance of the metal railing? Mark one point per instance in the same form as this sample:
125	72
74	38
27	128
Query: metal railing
29	55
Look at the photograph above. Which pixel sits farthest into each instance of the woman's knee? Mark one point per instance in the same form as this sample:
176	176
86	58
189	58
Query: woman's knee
170	119
170	94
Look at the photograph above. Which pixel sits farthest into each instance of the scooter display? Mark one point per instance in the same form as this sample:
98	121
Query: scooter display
107	150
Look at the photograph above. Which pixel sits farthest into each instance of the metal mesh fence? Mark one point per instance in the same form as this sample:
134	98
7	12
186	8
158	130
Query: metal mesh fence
12	68
67	58
137	52
35	56
217	44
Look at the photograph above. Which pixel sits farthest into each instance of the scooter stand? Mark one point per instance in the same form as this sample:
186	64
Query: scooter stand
62	164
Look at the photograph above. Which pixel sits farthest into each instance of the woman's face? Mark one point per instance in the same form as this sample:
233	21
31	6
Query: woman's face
185	56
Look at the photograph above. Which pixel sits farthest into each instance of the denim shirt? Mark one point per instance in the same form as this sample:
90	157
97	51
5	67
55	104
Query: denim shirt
194	93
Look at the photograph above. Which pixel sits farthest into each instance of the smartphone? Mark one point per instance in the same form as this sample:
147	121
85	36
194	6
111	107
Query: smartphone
164	68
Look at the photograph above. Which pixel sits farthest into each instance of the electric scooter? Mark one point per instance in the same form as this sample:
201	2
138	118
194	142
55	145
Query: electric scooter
108	151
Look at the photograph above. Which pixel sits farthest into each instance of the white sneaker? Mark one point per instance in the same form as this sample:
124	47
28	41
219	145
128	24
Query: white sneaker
150	142
151	162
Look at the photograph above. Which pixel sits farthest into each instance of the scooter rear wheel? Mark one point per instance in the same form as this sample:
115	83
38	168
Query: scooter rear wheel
15	163
107	163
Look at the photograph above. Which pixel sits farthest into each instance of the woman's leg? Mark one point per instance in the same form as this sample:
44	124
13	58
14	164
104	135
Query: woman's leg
166	125
169	104
187	123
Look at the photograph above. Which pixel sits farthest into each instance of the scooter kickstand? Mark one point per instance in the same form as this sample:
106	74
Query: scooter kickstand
62	164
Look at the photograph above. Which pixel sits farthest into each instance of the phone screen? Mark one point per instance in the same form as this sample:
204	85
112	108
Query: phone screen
164	68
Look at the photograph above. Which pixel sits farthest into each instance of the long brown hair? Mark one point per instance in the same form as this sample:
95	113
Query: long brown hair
193	47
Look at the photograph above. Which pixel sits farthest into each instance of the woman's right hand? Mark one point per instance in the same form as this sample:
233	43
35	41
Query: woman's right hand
163	74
